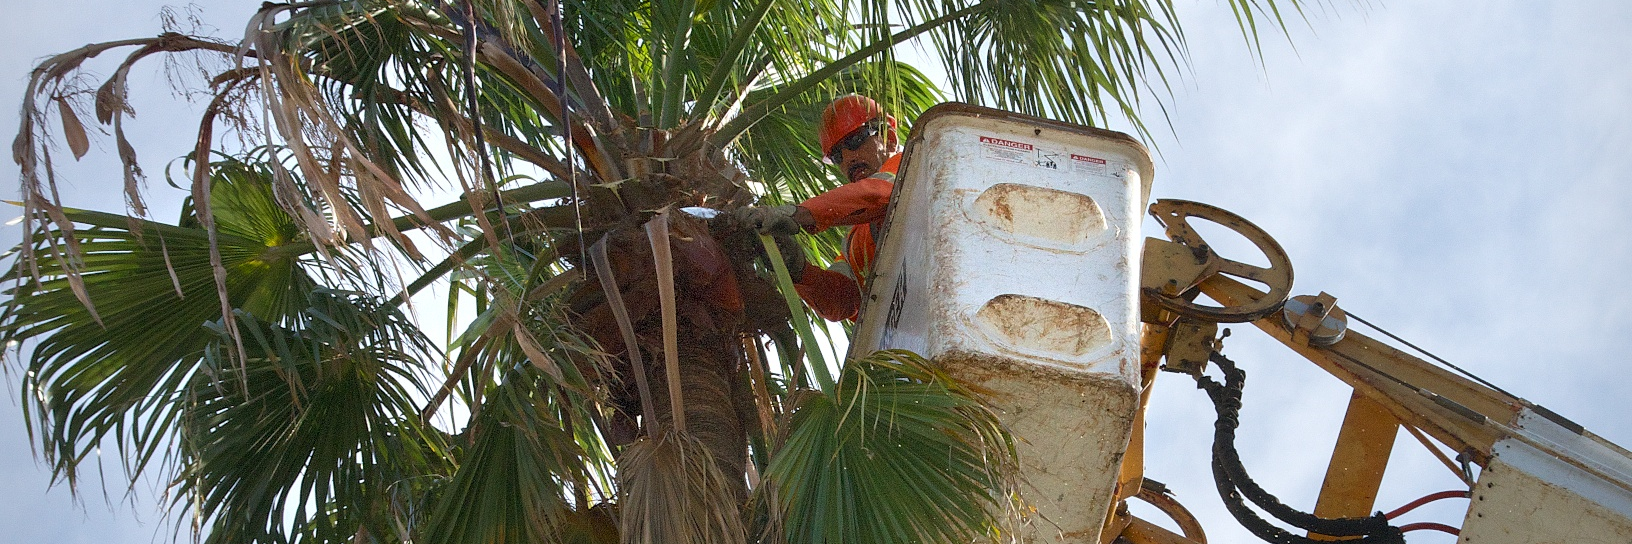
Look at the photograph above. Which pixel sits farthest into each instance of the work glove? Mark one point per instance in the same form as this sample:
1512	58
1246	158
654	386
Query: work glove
792	256
772	220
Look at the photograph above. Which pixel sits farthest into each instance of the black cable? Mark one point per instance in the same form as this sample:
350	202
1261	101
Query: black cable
1249	519
1228	399
1470	375
1539	410
1233	482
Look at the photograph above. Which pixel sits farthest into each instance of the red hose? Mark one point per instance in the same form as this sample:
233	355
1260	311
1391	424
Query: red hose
1425	500
1443	528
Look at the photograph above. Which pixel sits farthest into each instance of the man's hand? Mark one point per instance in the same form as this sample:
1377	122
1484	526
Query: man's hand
773	220
792	256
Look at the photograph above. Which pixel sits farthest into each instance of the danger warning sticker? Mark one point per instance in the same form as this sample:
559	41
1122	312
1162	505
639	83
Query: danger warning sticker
1084	163
1018	153
1021	146
1005	150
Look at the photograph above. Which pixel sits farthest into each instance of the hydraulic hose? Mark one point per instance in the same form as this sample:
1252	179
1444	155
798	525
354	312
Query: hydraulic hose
1234	484
1452	494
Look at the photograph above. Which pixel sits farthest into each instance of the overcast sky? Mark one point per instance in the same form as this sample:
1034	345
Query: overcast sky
1456	173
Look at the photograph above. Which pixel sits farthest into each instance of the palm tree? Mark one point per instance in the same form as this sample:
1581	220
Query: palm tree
631	372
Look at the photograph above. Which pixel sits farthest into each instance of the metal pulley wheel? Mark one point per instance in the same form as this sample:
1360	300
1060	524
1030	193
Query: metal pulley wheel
1175	215
1325	332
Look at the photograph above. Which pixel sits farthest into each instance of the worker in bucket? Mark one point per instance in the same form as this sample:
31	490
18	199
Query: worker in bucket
860	139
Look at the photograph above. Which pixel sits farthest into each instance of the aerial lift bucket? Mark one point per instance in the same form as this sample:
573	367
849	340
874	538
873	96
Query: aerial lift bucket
1010	258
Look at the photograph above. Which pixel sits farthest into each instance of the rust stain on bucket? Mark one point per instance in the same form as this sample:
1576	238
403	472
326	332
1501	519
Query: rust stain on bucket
1050	214
1044	325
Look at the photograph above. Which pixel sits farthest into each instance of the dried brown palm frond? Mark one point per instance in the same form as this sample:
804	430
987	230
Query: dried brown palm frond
670	491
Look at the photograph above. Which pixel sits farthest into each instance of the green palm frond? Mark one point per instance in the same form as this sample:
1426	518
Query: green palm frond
1068	59
899	453
324	430
369	57
520	316
515	466
532	466
154	287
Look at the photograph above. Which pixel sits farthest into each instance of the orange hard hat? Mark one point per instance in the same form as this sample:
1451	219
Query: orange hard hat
845	115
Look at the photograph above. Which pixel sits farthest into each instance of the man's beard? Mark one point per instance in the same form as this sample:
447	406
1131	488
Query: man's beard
858	171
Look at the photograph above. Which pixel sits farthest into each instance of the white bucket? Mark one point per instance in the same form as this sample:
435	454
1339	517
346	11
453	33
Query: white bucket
1010	257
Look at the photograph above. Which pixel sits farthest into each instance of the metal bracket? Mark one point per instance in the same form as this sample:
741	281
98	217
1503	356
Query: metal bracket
1168	270
1190	344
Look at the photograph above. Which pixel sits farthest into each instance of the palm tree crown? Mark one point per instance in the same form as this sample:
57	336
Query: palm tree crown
630	373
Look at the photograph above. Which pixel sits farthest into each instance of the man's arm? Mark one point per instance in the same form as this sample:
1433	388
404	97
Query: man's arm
856	203
832	294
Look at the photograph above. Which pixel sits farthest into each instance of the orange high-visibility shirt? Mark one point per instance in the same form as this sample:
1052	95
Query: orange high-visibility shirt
861	205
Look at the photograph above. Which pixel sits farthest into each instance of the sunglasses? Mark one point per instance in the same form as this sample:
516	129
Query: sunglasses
852	141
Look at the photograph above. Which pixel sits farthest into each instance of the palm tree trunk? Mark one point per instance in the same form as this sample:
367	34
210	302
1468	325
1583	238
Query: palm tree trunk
711	378
709	289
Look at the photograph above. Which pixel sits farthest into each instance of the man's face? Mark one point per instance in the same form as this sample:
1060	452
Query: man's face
865	160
